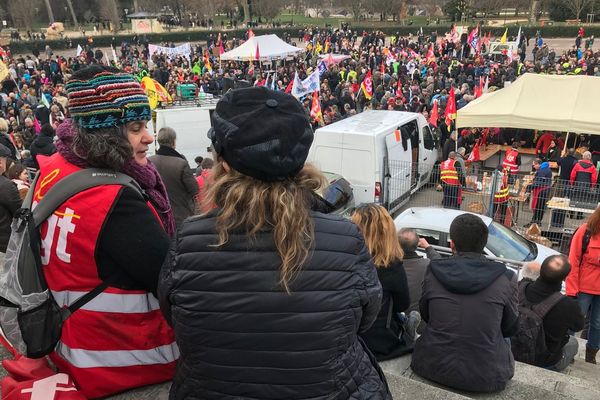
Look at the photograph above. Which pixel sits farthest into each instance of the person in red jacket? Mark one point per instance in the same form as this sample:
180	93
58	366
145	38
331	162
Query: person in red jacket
583	178
543	143
584	280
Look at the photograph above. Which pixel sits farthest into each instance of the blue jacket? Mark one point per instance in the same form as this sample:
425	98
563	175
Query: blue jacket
543	177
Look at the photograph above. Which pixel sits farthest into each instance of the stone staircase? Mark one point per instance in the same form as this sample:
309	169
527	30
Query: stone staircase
581	381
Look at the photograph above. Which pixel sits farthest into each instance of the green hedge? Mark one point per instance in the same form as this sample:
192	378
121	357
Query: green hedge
555	31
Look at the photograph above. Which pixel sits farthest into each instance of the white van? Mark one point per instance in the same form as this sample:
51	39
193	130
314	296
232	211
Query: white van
385	155
191	125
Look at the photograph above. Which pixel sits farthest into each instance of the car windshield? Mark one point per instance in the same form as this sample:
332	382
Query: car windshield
505	243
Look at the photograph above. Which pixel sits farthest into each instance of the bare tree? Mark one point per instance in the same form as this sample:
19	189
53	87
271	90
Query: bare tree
48	9
356	6
108	9
23	16
267	8
577	6
72	10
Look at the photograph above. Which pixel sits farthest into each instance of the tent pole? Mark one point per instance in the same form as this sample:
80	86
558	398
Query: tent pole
566	140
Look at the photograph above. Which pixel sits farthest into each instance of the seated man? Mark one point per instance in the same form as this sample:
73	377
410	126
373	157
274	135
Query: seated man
414	264
559	315
470	306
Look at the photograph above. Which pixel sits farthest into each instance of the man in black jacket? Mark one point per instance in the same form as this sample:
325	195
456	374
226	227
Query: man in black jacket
565	315
470	306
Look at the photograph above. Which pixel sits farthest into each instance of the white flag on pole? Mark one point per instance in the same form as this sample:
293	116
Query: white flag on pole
309	85
79	50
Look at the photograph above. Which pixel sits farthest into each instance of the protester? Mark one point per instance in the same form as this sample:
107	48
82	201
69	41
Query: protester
18	174
10	201
263	253
204	179
467	350
583	281
414	264
452	180
530	271
108	235
43	144
392	334
176	174
559	314
540	190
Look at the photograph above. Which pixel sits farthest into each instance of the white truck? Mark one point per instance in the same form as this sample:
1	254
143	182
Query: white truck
385	155
191	125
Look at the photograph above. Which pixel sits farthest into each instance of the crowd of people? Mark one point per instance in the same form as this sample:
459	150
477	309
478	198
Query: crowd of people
266	285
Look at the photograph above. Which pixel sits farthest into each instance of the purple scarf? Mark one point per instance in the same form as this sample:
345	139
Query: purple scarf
146	176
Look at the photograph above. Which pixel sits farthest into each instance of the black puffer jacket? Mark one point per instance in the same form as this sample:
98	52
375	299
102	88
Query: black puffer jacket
242	337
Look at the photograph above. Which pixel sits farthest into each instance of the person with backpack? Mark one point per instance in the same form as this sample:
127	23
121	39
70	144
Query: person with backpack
583	281
108	237
546	317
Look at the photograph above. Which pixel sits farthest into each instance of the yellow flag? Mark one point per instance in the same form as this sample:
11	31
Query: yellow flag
503	38
3	71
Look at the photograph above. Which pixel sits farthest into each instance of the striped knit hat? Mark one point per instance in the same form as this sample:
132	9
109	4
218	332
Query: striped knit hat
107	99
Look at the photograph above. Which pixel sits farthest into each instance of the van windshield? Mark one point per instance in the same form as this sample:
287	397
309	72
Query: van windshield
505	243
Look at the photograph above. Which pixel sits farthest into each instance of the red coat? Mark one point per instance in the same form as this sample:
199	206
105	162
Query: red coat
543	143
584	166
585	269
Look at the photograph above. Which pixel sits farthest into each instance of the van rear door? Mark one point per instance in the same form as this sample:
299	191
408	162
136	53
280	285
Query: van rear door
398	169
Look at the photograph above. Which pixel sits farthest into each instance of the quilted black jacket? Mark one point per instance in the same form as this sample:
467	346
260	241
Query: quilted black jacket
242	337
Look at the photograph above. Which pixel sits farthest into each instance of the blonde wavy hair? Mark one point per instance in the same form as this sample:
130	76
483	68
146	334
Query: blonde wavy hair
377	227
251	205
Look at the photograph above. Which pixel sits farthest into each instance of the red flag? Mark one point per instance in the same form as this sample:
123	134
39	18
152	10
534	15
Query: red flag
257	55
450	112
430	54
399	89
221	49
433	118
250	33
288	88
397	134
474	156
367	86
315	109
479	89
382	68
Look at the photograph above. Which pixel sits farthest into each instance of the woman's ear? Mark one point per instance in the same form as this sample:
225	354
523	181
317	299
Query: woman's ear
226	166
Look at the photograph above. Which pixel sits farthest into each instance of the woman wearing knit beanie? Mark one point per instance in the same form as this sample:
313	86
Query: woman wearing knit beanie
119	340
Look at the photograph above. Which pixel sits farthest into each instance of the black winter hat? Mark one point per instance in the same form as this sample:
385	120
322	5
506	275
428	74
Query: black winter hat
261	133
4	151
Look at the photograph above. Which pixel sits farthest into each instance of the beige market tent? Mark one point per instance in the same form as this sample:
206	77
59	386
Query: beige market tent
550	102
270	47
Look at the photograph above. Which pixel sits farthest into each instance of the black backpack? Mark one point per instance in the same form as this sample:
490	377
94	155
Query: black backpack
30	318
529	344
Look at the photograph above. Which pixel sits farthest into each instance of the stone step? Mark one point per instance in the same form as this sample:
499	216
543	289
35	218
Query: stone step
405	388
529	382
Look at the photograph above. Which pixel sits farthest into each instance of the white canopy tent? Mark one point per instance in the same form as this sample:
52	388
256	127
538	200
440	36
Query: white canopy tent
270	47
549	102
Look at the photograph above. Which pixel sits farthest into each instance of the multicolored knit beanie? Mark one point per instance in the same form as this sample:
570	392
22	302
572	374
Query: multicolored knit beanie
107	99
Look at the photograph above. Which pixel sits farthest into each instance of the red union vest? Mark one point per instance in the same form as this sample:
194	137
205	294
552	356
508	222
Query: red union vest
449	175
510	161
119	340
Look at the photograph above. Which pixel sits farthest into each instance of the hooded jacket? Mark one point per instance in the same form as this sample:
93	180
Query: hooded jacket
470	306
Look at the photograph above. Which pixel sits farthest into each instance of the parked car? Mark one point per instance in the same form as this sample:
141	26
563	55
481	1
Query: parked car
433	224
